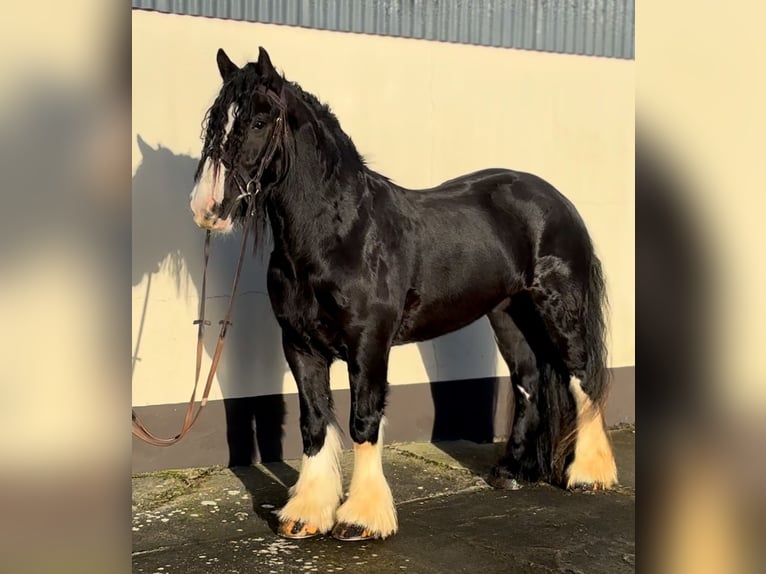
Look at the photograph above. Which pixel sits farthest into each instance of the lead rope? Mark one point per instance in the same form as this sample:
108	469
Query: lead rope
139	429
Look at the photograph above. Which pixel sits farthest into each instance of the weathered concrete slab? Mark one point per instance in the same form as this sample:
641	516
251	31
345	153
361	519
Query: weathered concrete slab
221	520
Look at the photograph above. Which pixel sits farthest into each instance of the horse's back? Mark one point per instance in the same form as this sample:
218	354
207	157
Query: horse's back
502	185
479	239
526	211
521	211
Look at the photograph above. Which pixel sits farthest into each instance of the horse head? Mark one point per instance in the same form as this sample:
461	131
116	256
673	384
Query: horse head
244	143
162	234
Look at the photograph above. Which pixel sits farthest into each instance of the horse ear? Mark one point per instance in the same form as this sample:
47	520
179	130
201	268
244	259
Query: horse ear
264	62
225	65
143	147
267	71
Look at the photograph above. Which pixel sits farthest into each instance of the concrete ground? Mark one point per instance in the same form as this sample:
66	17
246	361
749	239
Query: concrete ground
217	520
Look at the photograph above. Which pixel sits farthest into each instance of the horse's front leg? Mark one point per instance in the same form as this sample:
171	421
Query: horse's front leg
369	511
317	494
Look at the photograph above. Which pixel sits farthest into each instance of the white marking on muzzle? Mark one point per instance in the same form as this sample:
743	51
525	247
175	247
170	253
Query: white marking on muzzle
207	193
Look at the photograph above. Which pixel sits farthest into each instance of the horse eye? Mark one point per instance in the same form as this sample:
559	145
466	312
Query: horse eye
259	124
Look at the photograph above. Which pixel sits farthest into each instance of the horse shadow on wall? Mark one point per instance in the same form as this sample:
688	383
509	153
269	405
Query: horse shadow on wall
166	239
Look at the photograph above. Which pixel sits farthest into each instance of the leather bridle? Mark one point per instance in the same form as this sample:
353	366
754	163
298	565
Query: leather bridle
250	190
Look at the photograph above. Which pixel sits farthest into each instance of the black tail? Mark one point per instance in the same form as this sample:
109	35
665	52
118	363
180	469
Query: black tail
559	405
555	432
558	414
595	306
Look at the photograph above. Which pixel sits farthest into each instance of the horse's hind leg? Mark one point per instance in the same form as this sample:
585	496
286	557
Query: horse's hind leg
521	460
573	312
316	496
593	466
369	511
544	410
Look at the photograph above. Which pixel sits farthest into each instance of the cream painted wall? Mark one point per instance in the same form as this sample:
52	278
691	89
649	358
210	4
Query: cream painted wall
421	112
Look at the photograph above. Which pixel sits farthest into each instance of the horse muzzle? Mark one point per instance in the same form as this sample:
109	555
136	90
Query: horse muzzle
211	221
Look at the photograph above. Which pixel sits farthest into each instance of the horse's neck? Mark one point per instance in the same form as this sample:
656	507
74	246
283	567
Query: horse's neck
306	211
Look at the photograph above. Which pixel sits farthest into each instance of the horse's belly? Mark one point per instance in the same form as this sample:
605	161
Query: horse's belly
430	319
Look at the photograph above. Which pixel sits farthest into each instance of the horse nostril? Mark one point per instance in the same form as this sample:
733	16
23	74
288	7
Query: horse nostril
216	209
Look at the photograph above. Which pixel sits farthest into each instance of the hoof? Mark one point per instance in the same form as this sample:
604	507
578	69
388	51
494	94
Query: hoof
502	479
297	530
352	532
587	487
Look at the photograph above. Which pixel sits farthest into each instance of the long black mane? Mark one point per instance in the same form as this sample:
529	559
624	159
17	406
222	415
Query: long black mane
333	147
336	147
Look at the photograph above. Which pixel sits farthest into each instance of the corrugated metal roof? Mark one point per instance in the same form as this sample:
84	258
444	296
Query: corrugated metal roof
588	27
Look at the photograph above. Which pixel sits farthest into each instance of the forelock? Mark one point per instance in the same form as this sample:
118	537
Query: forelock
236	91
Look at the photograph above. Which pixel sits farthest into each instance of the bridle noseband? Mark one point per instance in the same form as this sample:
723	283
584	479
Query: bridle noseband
250	189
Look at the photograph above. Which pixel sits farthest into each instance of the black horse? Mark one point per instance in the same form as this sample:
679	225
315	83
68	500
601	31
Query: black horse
360	264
